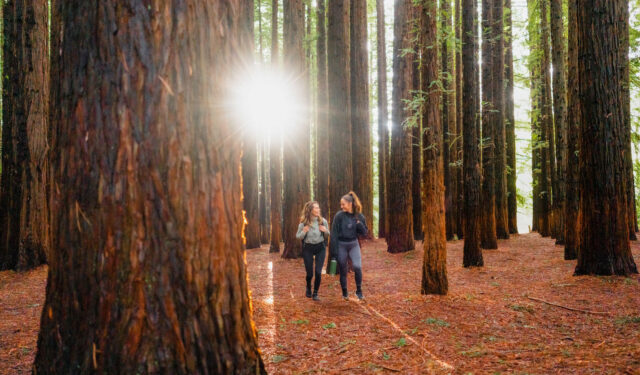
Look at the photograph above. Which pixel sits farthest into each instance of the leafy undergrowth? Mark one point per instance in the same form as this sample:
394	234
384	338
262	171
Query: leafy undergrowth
494	320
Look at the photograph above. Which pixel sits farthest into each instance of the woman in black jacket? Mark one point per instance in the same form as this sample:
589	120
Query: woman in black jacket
347	225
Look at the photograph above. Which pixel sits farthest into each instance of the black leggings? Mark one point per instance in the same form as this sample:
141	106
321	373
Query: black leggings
319	252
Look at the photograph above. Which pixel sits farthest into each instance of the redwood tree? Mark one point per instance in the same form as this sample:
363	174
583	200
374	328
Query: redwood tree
361	129
400	203
434	267
509	118
264	193
24	190
322	126
548	159
471	153
149	195
383	117
572	224
296	149
604	245
459	122
340	161
416	139
275	150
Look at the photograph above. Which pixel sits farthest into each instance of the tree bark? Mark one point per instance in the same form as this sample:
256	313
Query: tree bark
510	120
322	126
434	267
296	152
416	136
548	174
400	235
25	240
498	116
572	207
383	117
489	238
361	129
265	228
604	245
275	151
448	117
148	274
471	157
459	122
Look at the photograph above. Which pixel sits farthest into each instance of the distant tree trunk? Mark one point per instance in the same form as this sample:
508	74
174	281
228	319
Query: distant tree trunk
264	183
510	121
361	128
559	115
471	156
572	217
489	238
295	154
459	122
434	267
339	77
548	173
322	126
448	117
131	288
416	138
383	117
275	151
497	86
400	234
604	245
25	239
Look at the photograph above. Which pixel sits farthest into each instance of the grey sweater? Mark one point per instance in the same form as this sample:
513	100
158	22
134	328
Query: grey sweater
314	236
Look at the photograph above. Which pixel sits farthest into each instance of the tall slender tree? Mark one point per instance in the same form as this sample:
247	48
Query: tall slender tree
434	267
383	117
416	129
322	126
489	238
340	160
604	245
361	128
498	116
250	183
265	228
296	149
275	149
24	198
546	109
572	207
471	153
510	120
400	234
459	120
130	287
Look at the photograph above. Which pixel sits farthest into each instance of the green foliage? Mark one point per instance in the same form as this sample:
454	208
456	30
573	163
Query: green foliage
278	358
329	326
436	322
628	320
401	342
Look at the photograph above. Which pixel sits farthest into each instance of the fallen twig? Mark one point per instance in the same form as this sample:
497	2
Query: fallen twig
568	308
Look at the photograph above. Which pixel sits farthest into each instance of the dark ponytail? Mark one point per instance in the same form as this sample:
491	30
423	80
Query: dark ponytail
353	198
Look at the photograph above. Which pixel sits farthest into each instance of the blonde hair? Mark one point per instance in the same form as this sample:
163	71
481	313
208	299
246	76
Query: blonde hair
354	200
305	216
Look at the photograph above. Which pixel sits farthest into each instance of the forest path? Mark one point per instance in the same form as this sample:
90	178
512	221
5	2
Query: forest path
486	324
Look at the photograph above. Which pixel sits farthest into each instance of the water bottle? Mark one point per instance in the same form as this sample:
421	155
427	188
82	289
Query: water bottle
333	266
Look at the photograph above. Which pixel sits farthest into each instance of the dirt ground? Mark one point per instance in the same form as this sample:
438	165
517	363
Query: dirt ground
510	316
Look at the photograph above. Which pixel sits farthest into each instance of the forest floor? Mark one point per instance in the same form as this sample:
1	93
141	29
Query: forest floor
493	320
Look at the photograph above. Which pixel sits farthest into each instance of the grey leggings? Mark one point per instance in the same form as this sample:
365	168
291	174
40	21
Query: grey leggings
352	250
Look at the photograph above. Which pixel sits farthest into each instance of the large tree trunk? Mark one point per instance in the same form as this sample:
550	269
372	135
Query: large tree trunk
471	157
459	122
604	245
434	266
275	151
149	196
250	183
489	238
322	126
498	115
339	77
400	235
538	168
264	193
559	115
25	240
572	206
361	129
416	140
510	121
448	117
548	173
383	117
295	154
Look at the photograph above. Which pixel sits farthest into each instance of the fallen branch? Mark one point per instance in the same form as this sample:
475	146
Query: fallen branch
569	308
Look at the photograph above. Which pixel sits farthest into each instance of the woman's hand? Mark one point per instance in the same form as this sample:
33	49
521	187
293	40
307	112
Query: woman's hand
305	229
322	228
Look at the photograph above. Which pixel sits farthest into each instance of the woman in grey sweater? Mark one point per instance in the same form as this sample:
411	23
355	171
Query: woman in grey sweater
312	230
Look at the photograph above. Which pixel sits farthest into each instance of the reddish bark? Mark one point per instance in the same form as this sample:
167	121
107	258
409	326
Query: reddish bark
383	117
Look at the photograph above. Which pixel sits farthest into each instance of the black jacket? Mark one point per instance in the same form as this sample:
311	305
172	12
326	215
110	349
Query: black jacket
346	227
